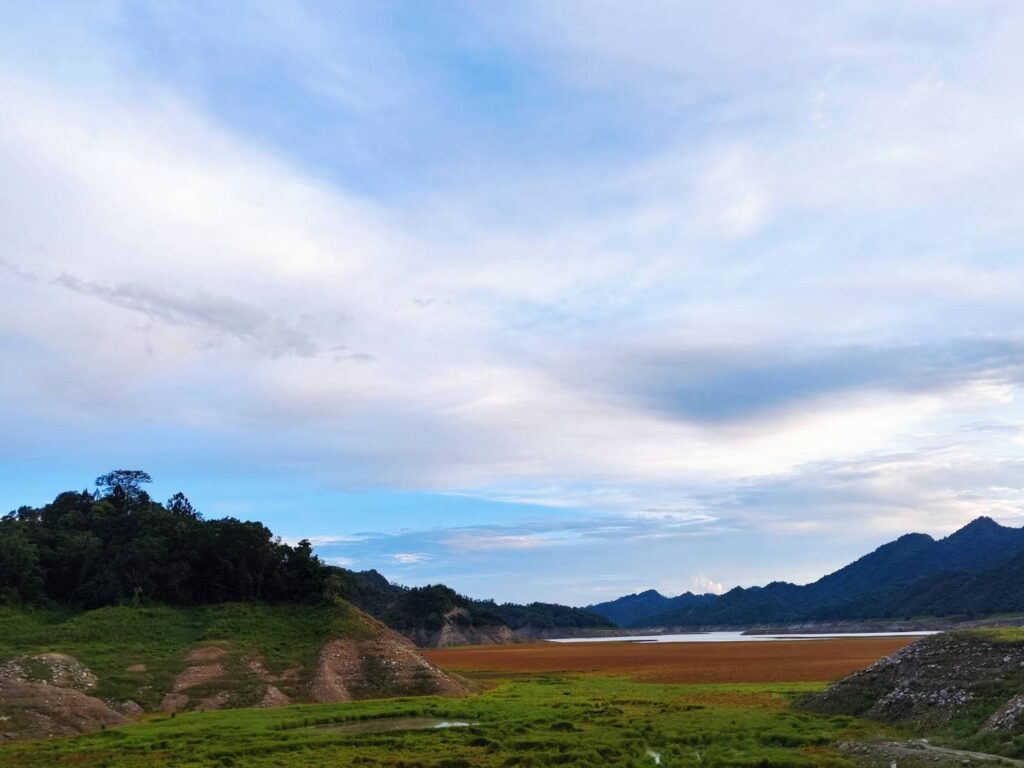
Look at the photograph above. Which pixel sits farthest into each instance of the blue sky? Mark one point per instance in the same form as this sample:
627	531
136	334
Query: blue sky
544	300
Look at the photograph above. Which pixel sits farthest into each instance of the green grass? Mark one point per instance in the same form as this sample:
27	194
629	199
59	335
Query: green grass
541	721
112	640
1002	635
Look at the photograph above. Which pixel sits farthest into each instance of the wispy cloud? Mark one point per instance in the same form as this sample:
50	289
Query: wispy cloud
219	314
409	558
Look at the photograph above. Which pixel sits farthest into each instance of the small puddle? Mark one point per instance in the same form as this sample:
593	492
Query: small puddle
385	724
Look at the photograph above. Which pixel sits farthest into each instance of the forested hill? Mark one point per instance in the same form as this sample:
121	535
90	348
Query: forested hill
975	572
116	545
423	612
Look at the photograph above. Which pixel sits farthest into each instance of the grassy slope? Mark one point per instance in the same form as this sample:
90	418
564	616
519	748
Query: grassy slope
529	721
1007	635
110	640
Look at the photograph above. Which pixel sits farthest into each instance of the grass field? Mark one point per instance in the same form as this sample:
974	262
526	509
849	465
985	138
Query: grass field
524	717
544	721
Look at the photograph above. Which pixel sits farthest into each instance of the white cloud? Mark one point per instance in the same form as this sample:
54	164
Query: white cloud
470	541
410	558
703	585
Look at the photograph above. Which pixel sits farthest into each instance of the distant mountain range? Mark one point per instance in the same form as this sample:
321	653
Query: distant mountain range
977	571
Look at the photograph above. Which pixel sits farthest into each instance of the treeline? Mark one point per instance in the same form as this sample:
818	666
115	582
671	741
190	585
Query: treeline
409	608
546	616
116	545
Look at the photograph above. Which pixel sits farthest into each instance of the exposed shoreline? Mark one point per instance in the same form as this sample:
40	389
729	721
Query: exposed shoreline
798	628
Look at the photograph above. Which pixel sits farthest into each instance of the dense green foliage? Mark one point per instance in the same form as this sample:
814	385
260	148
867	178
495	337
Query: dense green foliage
977	571
958	593
546	616
136	651
530	722
90	549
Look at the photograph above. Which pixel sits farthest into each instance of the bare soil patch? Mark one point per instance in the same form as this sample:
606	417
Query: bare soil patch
204	668
754	662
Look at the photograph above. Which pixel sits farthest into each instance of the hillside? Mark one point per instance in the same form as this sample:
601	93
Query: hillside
437	616
627	611
66	672
118	546
974	572
961	689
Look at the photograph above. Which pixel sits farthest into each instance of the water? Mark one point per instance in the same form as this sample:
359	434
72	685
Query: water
386	724
729	637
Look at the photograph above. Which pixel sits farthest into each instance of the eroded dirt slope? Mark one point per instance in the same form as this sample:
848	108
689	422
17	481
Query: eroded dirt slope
386	664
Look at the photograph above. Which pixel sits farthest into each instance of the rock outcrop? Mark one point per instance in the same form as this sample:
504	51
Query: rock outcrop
929	683
1009	717
48	695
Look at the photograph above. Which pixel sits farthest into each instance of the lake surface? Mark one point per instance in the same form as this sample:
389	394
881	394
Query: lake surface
730	637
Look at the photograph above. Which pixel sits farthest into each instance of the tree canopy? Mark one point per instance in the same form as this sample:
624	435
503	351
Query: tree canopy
91	549
124	481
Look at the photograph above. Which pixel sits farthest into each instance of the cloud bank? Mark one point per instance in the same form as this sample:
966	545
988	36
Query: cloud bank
702	270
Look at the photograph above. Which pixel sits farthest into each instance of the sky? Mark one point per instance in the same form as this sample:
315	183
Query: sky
544	300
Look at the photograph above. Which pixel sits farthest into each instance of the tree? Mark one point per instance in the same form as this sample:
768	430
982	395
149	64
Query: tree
129	481
21	577
179	505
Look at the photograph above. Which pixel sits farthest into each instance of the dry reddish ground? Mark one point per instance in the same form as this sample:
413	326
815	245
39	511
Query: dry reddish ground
754	662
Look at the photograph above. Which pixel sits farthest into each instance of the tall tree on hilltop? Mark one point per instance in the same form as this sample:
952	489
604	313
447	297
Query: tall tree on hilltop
129	481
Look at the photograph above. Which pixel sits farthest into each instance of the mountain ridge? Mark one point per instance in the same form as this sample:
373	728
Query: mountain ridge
971	572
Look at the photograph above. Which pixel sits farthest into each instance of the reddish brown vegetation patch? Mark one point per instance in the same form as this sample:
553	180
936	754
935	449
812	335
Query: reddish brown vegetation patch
744	662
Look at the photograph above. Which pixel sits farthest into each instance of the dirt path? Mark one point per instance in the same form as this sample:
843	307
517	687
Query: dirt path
920	754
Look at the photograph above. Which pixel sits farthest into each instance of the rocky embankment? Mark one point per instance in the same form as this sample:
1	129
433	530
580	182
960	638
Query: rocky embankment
960	689
48	694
